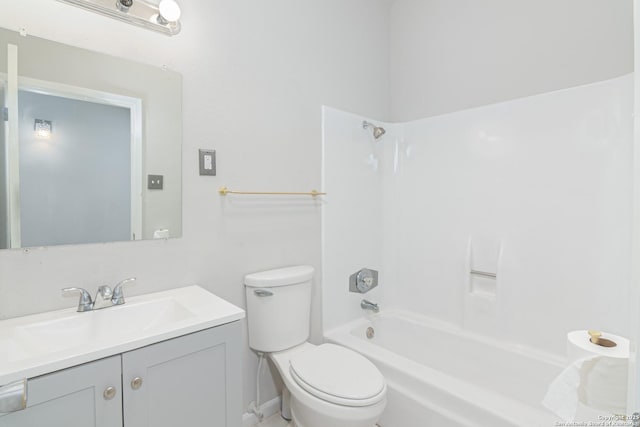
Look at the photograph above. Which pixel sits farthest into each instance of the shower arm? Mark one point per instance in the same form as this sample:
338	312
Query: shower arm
378	131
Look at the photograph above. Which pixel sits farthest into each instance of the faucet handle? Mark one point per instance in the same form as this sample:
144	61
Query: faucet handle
85	303
118	295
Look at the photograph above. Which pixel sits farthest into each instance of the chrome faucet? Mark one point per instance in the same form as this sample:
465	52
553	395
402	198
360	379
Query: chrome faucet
105	297
368	305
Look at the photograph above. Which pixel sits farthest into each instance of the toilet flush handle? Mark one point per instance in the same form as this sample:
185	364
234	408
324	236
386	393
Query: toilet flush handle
262	293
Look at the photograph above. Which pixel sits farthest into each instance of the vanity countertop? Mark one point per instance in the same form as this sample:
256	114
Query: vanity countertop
38	344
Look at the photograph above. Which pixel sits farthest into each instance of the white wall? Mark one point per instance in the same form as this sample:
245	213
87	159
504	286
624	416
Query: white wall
255	76
450	55
537	190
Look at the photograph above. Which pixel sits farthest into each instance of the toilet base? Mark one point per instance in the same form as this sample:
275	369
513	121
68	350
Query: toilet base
307	419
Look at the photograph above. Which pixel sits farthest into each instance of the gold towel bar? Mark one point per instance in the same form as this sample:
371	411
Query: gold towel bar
313	193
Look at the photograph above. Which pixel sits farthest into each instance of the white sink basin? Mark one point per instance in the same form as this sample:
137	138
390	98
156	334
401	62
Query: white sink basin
34	345
78	330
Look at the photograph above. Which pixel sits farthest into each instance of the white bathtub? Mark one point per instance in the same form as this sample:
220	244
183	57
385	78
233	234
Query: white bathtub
441	376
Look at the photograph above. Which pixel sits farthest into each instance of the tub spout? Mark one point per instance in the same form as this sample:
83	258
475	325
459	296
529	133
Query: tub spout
368	305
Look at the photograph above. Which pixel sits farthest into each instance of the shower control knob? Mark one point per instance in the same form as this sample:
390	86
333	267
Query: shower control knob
363	280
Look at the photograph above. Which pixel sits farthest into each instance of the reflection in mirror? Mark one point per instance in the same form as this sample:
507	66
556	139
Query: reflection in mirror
82	152
4	224
87	132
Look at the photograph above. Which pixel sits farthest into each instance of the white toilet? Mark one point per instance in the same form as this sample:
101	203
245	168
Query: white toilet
330	386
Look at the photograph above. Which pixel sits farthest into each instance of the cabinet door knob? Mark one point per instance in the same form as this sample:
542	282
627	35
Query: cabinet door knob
109	393
136	383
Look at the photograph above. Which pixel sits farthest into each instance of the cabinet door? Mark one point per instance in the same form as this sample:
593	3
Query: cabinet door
190	381
73	397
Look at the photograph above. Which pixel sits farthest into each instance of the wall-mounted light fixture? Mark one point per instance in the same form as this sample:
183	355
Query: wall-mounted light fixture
163	16
43	128
168	12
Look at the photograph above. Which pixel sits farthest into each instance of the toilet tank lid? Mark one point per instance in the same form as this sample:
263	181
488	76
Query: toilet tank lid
279	277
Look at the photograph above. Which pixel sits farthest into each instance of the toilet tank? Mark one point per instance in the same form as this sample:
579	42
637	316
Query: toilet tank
278	307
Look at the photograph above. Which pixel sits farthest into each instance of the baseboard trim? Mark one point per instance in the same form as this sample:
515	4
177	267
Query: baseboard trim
268	409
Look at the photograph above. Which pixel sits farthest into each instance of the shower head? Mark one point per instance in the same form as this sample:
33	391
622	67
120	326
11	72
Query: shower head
377	130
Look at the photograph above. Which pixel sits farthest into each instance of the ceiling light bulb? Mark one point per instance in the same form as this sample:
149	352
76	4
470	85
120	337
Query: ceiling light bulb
169	10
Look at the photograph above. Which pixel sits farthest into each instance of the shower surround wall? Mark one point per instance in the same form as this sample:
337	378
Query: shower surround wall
536	190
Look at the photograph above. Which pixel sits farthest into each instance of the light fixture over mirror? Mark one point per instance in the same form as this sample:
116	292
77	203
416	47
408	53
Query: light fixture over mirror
163	17
168	12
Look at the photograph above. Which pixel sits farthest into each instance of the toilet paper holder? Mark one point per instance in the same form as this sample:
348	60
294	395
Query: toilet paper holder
596	338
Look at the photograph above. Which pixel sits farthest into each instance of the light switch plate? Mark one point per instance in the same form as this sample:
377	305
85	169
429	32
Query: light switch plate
155	182
207	162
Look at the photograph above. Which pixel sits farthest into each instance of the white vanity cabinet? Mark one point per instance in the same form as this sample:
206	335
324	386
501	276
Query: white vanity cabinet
192	381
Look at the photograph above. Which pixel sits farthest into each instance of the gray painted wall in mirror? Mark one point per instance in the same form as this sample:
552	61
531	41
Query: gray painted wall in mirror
76	186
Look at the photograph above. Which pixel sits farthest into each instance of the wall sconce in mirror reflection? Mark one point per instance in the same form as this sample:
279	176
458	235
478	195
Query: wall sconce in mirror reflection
43	128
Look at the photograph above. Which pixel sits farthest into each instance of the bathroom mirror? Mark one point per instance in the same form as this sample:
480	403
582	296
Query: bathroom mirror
90	149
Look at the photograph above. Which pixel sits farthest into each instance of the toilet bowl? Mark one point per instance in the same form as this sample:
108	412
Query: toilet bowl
329	385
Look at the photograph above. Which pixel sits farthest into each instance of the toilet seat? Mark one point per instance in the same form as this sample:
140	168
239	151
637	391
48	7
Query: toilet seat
338	375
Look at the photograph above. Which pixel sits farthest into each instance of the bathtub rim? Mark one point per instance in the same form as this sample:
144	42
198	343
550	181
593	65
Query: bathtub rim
449	391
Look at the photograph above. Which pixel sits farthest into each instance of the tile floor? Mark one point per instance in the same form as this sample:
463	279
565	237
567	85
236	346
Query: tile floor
273	421
276	421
